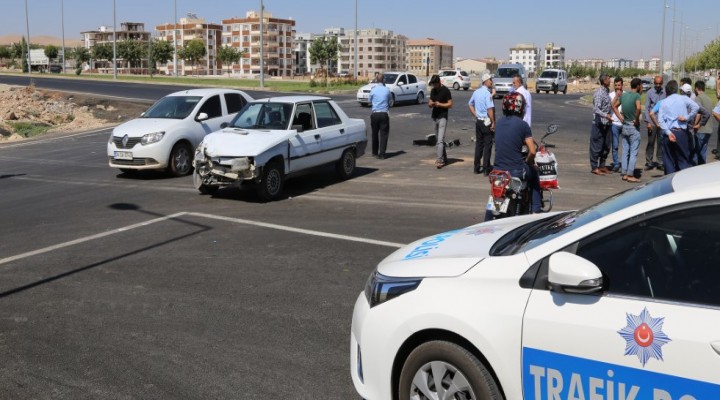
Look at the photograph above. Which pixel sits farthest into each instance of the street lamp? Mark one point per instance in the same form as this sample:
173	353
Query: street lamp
262	50
62	23
175	60
114	44
662	40
27	45
356	42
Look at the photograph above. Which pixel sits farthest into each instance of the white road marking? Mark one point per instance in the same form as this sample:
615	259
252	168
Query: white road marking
201	215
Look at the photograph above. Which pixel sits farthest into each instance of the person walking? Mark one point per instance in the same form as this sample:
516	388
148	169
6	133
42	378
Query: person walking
482	108
380	97
716	115
654	145
702	136
440	102
630	118
616	123
673	116
600	134
518	85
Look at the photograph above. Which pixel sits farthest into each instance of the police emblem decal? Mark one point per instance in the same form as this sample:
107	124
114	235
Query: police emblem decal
644	337
125	140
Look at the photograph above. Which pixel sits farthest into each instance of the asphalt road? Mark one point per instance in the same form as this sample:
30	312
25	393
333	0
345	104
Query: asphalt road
118	286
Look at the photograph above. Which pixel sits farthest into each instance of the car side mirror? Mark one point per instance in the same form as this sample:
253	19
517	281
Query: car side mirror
201	117
569	273
224	125
298	128
142	113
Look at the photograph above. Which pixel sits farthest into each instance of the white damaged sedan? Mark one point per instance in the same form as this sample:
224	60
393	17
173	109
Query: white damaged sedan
616	301
275	138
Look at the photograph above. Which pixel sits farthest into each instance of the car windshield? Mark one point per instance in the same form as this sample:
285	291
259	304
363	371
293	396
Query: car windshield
389	79
536	233
263	116
507	72
175	107
549	74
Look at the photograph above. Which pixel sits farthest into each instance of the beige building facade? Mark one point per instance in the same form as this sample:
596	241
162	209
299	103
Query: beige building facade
188	29
477	66
379	50
426	57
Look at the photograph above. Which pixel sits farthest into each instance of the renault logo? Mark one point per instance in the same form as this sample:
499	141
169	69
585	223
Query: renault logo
125	140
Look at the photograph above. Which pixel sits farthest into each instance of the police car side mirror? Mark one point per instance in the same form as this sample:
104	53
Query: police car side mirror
568	273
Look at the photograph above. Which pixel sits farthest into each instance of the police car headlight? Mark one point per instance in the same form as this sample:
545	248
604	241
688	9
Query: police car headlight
152	137
381	288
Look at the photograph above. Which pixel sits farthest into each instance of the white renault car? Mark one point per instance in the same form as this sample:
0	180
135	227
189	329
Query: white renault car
165	135
404	87
275	138
616	301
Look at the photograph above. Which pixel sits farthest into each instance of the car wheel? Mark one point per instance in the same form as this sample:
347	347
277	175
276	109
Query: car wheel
271	182
456	86
203	189
345	166
364	104
547	91
180	159
565	90
537	91
444	370
392	100
420	98
466	88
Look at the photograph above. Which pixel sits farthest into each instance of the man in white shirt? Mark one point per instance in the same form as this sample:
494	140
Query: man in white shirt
520	88
616	124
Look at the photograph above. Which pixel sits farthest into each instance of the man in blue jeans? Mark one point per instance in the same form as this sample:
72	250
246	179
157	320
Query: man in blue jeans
630	118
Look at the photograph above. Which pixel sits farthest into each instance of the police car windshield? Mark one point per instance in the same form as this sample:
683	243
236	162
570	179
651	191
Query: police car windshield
553	227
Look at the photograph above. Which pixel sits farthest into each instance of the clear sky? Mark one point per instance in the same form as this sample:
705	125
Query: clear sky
587	29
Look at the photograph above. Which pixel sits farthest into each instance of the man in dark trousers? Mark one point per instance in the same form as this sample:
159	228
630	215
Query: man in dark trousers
440	102
482	108
673	117
380	97
600	134
655	135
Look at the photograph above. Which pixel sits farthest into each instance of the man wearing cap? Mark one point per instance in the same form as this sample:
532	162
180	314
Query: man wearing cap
654	145
380	97
600	134
675	112
482	108
440	102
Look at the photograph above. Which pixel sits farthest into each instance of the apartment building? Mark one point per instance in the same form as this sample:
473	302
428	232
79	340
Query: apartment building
188	29
105	34
620	63
277	34
526	54
427	56
301	51
553	56
379	50
594	63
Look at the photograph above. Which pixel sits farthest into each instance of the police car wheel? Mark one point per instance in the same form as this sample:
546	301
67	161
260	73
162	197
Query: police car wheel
436	369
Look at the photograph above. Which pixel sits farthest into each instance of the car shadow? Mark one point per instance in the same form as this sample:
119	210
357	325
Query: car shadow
312	181
148	175
11	176
451	161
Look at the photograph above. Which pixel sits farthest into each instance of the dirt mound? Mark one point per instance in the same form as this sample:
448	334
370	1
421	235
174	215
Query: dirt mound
26	112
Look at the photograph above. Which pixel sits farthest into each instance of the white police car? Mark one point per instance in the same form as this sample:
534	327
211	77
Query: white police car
617	301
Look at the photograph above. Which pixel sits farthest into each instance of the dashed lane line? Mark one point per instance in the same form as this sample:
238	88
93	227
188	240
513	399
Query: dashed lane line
285	228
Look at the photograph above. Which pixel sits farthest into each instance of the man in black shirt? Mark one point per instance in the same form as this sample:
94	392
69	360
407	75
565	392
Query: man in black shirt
440	102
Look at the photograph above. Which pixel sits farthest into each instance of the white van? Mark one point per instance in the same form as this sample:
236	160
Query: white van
552	79
503	78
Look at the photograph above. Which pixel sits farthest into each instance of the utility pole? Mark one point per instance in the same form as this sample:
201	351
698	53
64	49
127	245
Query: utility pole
27	45
114	44
175	60
262	50
672	44
62	23
356	42
662	41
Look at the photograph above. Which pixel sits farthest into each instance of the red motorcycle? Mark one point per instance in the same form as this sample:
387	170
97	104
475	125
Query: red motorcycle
511	196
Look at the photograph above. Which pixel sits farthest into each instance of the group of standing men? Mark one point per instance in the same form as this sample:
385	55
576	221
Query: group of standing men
679	124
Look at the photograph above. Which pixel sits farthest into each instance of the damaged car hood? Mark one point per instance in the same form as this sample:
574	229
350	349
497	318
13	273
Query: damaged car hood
244	142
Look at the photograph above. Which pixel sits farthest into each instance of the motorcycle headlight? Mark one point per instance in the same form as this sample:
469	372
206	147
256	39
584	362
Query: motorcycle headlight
152	137
380	288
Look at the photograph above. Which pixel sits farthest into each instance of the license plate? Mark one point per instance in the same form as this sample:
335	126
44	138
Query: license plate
123	155
363	96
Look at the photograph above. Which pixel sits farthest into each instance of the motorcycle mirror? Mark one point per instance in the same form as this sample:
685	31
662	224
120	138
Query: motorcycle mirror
552	128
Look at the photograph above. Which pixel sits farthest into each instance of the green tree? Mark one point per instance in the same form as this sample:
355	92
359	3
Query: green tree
193	51
102	52
51	52
228	55
162	51
132	51
17	49
81	55
4	52
323	50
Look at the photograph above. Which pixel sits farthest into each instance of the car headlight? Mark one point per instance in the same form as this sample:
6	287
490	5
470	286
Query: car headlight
152	137
110	139
380	288
200	153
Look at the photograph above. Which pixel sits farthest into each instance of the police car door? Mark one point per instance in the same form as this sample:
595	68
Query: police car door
652	333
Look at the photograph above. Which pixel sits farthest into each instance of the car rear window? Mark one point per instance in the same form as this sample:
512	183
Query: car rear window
463	73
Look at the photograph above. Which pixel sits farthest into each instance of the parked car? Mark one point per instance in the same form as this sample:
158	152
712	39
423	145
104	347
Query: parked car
647	84
502	81
456	79
615	301
165	135
554	80
55	69
273	139
404	87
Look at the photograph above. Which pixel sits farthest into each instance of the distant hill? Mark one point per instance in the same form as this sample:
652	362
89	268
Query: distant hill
41	40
